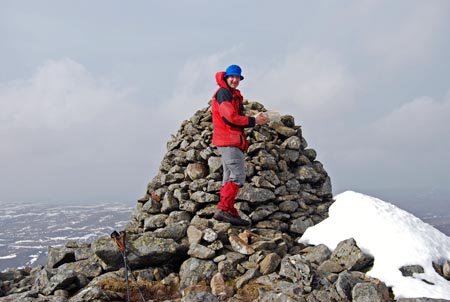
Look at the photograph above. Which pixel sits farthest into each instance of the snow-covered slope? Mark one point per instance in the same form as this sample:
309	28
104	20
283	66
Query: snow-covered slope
393	236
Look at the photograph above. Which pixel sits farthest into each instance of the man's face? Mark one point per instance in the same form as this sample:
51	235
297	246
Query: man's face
233	81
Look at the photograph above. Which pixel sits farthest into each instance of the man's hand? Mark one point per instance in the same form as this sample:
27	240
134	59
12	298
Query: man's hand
261	118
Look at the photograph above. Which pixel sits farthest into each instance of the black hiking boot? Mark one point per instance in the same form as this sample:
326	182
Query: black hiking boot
227	217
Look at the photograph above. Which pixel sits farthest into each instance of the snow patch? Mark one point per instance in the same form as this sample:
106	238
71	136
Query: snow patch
394	237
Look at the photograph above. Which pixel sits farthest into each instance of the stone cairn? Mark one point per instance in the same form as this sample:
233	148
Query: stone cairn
178	252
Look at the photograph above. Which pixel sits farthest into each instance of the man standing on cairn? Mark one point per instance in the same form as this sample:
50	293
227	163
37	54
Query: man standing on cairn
229	121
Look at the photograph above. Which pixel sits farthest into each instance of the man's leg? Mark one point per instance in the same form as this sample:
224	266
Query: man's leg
234	177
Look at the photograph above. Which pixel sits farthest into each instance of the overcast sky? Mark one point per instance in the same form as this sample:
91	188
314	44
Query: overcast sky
90	91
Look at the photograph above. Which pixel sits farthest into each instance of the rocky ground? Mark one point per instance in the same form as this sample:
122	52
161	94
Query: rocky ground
178	252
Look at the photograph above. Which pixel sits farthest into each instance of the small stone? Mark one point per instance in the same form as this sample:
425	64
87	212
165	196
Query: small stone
203	197
218	287
410	270
240	246
209	235
269	264
446	269
202	252
196	171
317	254
249	275
369	292
194	234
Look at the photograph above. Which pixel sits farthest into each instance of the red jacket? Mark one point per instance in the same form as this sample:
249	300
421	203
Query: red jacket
228	116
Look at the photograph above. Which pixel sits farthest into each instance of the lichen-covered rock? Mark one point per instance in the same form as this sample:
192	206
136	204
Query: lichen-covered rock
370	292
296	269
59	255
350	256
149	250
194	270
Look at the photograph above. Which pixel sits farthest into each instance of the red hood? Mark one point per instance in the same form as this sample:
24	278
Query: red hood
220	80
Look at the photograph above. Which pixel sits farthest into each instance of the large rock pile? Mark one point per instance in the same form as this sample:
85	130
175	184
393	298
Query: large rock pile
288	190
178	252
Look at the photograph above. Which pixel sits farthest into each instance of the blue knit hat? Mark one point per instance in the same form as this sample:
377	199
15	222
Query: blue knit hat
233	70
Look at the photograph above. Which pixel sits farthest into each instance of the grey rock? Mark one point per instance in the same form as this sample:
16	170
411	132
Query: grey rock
369	292
283	130
289	156
292	142
152	206
201	296
288	206
410	270
249	275
168	179
266	160
95	294
216	245
228	270
193	155
307	174
269	264
174	231
325	189
293	186
155	221
48	281
240	245
214	164
189	206
421	300
194	234
345	284
254	148
311	154
316	254
83	253
300	225
279	290
178	216
196	171
204	197
106	250
86	267
446	269
263	211
59	255
149	250
255	195
202	252
350	256
296	269
208	210
209	235
169	203
194	270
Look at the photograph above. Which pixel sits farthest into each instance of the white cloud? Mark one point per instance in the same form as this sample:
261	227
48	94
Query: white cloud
407	147
194	86
313	82
67	129
59	95
407	37
420	124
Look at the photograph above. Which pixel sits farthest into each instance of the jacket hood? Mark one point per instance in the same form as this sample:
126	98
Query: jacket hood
220	80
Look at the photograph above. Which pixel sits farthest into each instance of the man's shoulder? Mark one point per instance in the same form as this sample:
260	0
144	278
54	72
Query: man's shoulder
223	95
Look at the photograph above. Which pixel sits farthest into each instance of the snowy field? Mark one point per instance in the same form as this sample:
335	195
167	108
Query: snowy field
27	229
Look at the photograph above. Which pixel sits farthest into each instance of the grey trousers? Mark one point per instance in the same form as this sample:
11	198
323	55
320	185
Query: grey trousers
233	164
